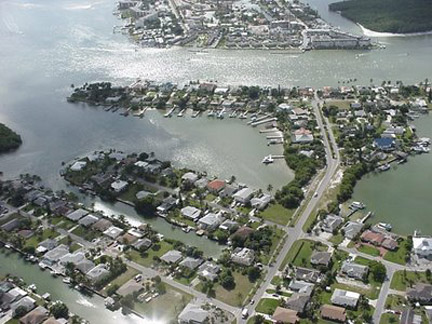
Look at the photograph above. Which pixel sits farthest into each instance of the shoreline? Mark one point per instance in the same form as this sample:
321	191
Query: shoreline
372	33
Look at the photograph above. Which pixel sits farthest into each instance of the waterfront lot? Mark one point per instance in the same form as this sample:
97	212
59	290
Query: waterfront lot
121	280
146	259
398	256
278	214
301	252
166	306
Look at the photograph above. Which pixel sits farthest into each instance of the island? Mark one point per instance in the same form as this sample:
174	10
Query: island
9	140
392	16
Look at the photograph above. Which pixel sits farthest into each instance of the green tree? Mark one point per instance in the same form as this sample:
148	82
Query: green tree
60	310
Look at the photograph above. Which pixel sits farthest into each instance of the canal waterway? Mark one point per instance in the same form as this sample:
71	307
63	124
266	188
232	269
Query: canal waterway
91	308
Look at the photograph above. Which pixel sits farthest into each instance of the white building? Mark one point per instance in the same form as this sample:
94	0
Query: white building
422	246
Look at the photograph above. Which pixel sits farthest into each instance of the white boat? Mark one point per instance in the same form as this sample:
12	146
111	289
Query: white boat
181	113
221	114
268	159
385	226
196	114
384	167
67	280
211	113
357	205
32	287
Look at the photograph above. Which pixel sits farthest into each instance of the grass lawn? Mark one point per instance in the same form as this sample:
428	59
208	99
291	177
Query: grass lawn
66	224
13	321
276	281
210	197
46	234
337	239
236	296
301	252
387	318
86	233
265	258
341	104
147	260
277	213
166	307
267	305
369	250
399	255
251	320
122	279
395	302
402	280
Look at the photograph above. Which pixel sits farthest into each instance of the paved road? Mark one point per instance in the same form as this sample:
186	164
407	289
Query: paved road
296	232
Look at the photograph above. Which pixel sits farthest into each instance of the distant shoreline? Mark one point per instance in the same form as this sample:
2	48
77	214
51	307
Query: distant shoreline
372	33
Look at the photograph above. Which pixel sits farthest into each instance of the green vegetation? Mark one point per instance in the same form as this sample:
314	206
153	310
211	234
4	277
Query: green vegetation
395	16
37	238
9	140
267	305
367	249
277	213
404	279
236	295
121	279
401	254
301	252
388	318
151	255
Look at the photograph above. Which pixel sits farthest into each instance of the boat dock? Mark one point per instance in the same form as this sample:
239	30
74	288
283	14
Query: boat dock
271	130
263	121
169	113
280	135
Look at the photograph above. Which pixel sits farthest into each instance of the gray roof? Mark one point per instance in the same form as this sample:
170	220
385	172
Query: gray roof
331	222
88	220
191	263
11	225
77	214
321	258
97	273
56	253
145	242
301	286
298	302
354	270
421	293
345	298
48	244
209	270
351	229
307	274
172	256
85	265
193	314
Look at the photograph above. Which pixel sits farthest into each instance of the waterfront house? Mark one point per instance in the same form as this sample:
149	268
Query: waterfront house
209	270
372	237
243	256
422	246
142	244
331	223
261	202
167	204
228	191
76	215
142	194
119	186
113	232
333	313
25	302
229	225
78	166
191	263
88	220
98	273
36	316
354	270
102	225
193	314
189	177
285	315
51	257
201	183
351	229
210	221
345	298
190	212
384	143
244	195
321	258
302	136
46	245
421	293
172	256
84	265
216	185
73	258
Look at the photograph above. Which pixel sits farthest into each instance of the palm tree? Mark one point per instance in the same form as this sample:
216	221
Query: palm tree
270	188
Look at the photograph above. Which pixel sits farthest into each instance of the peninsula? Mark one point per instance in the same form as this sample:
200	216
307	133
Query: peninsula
393	16
269	25
9	140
